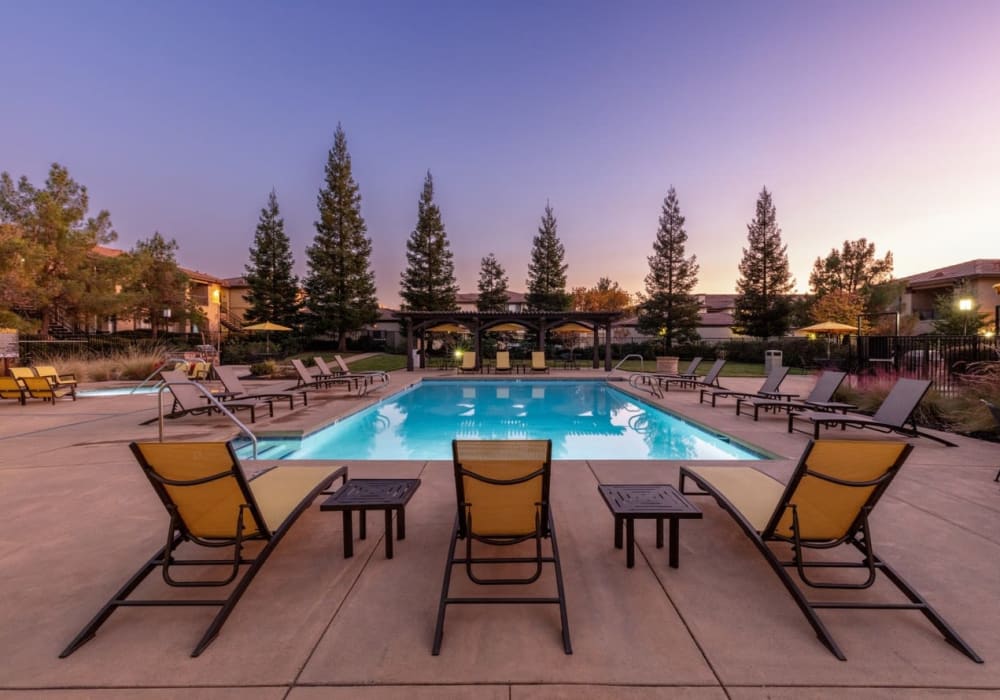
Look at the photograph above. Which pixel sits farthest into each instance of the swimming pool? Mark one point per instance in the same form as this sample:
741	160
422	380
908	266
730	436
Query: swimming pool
119	391
584	420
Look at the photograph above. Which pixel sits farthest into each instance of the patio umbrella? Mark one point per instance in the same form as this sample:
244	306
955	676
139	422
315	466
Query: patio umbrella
506	328
829	329
571	327
267	327
448	328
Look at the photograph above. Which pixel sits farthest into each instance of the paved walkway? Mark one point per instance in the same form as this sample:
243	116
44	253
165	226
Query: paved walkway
78	517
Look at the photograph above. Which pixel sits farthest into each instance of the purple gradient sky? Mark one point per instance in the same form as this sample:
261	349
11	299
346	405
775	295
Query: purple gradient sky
863	119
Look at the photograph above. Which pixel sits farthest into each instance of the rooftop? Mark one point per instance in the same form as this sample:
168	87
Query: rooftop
80	518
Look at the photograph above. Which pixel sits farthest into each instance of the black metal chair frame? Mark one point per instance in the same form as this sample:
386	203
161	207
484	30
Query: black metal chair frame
544	529
806	404
178	533
762	393
858	536
709	380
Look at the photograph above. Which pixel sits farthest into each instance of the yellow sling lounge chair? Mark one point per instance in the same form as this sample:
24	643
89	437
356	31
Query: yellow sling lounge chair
538	362
62	380
826	503
502	487
503	362
10	388
212	504
43	388
468	363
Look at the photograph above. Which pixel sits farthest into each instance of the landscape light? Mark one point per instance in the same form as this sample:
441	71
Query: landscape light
965	304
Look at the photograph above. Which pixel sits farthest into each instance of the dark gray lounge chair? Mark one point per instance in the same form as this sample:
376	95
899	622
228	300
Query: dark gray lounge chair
895	415
690	372
189	399
819	399
769	389
826	504
317	381
235	389
711	379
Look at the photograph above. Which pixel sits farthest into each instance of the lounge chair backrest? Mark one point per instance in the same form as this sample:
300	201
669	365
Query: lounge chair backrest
537	359
503	359
833	486
994	410
773	380
46	371
826	386
21	373
341	364
227	375
304	374
692	365
713	372
502	486
202	483
902	401
323	367
469	360
186	394
10	388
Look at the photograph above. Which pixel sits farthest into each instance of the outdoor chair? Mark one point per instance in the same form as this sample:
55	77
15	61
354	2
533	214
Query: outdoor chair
235	389
503	362
317	381
42	388
21	373
819	399
199	370
826	504
64	380
468	363
538	362
189	399
711	379
10	388
368	380
211	504
690	372
895	415
768	390
502	490
325	370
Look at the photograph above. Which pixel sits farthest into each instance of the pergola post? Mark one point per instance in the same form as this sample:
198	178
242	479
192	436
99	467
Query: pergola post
596	348
607	346
409	346
476	344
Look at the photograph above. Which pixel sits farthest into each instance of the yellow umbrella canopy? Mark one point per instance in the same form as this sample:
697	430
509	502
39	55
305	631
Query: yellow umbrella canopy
506	328
832	327
572	327
267	326
448	328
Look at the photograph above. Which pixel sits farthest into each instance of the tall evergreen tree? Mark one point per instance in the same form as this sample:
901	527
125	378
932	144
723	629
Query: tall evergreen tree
762	303
273	294
670	309
428	283
340	283
546	271
157	288
493	292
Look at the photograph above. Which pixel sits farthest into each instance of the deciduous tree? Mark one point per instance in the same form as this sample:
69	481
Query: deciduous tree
273	294
762	302
340	283
157	288
428	282
670	310
853	269
493	292
606	296
546	270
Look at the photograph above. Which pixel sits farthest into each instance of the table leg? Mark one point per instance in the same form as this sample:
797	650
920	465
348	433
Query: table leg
618	532
400	524
348	534
630	542
674	542
659	533
362	523
388	533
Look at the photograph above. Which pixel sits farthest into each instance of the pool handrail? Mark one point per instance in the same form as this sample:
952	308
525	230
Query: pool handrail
642	367
212	401
165	363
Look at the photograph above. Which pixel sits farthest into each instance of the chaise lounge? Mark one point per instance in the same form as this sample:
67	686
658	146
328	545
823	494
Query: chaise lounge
819	399
711	379
235	389
768	390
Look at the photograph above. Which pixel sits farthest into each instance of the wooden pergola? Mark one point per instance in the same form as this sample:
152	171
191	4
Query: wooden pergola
419	323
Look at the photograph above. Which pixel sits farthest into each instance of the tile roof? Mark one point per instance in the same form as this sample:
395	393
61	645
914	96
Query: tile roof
983	267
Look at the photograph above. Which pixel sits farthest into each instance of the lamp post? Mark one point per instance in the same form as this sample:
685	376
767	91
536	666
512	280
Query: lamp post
965	306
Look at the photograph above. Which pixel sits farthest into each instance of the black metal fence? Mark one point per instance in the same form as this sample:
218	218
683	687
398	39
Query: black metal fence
943	359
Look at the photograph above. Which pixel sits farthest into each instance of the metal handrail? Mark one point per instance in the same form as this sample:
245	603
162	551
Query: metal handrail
642	366
212	402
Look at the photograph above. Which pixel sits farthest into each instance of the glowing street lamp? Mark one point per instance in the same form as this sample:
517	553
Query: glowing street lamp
965	304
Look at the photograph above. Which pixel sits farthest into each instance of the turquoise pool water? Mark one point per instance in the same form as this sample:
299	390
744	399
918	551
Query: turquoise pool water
584	420
119	391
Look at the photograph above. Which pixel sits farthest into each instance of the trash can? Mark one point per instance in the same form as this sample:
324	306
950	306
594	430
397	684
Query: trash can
416	359
772	360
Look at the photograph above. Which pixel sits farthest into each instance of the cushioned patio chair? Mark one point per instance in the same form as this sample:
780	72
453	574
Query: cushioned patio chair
503	362
819	399
768	390
318	381
189	399
43	388
826	504
10	388
538	362
64	380
895	415
235	389
502	489
211	504
468	363
711	379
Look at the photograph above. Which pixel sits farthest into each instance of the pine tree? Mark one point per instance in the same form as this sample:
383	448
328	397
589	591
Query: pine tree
273	286
670	310
157	288
762	302
340	283
428	283
493	292
546	271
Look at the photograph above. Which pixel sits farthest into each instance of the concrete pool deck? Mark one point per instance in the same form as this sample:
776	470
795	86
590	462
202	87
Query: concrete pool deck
79	517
